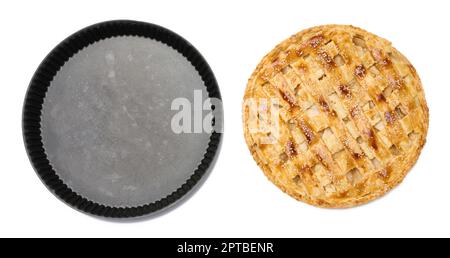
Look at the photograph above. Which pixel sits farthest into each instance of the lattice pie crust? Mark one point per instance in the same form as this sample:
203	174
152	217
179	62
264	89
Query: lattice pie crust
352	116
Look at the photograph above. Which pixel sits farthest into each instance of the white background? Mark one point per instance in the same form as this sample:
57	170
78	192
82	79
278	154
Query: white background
236	200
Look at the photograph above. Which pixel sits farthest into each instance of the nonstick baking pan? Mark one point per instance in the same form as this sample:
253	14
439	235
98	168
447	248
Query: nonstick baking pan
100	114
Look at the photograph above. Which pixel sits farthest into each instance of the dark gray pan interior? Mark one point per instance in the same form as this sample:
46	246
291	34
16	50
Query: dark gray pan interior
106	122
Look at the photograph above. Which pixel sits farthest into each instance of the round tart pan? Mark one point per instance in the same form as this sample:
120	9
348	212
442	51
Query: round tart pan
98	119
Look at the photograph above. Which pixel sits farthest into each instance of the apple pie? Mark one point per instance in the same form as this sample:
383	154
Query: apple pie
335	116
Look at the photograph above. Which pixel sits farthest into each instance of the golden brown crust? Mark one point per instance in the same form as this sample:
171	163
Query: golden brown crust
352	116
